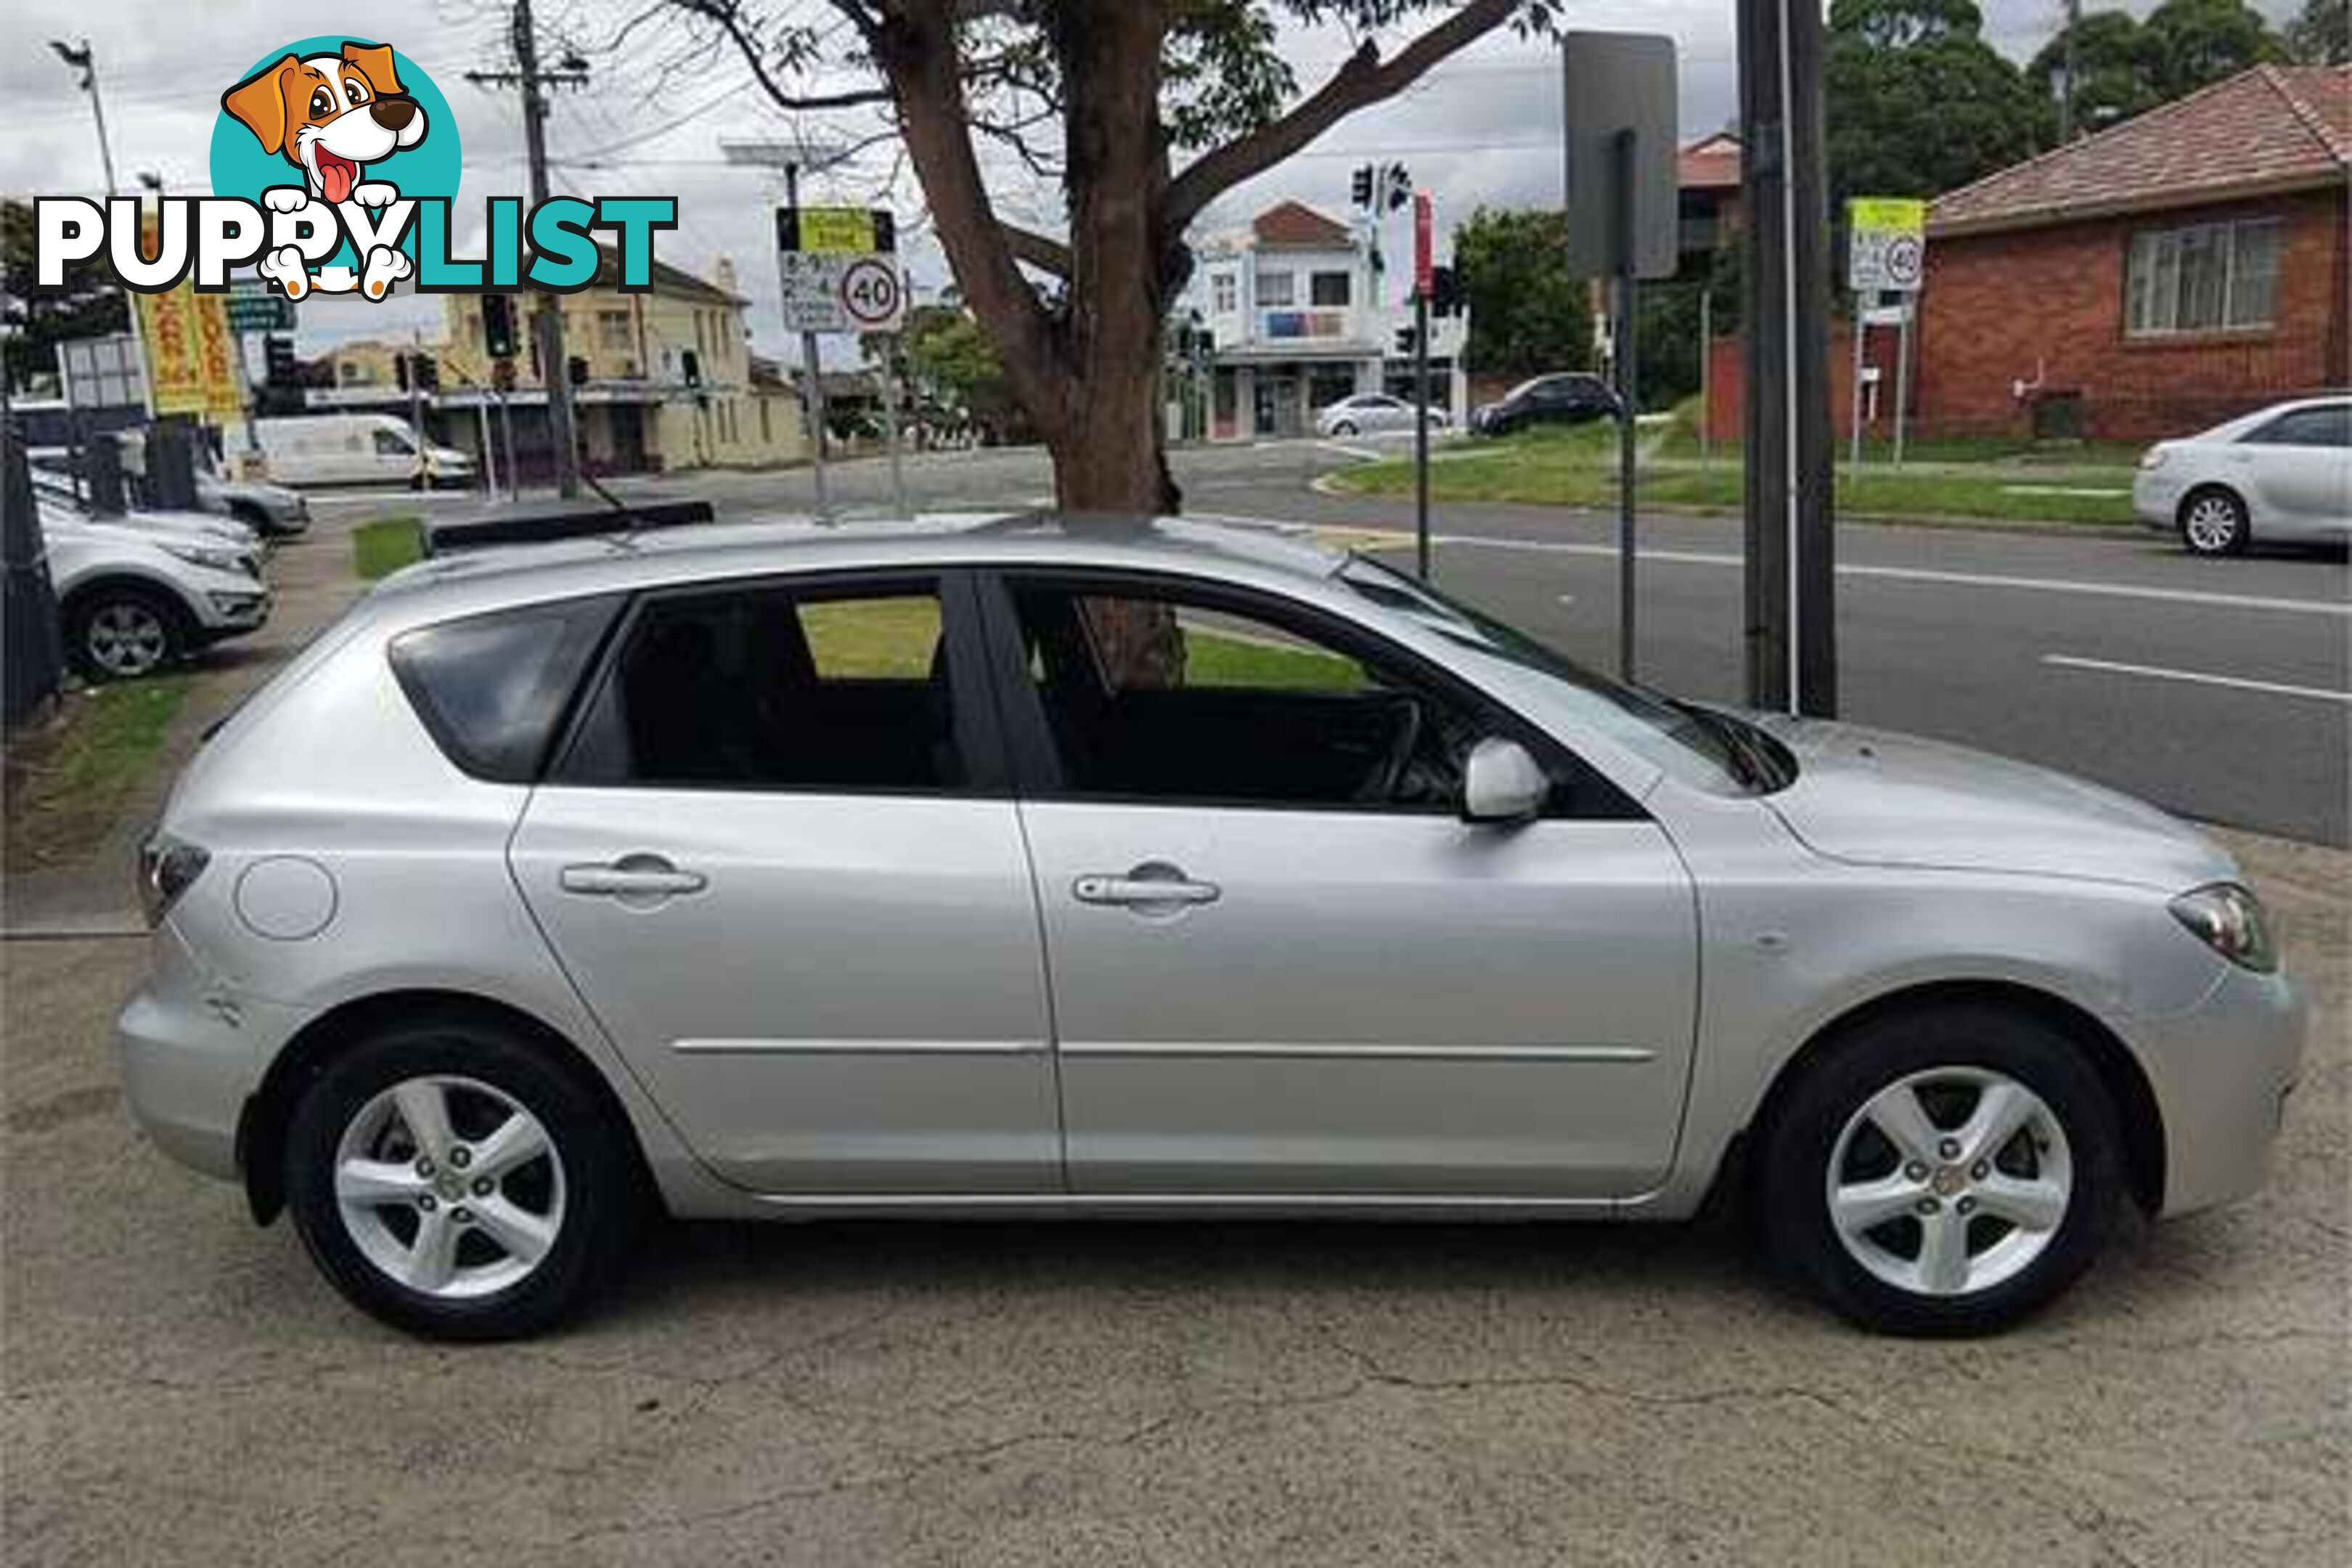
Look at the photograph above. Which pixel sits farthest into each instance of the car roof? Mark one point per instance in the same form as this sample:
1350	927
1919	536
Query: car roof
507	575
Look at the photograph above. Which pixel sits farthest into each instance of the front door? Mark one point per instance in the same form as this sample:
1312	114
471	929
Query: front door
2301	464
777	862
1283	965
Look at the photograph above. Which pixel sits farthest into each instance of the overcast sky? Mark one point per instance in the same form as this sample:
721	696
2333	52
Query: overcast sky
1483	129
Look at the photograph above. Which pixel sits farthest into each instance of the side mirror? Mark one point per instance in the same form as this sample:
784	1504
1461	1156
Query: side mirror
1500	782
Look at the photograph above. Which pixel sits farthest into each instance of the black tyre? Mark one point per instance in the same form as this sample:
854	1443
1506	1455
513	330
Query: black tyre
123	631
1343	429
449	1177
2214	522
1945	1171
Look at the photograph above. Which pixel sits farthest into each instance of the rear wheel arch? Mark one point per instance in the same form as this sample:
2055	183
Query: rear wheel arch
263	1125
2142	1124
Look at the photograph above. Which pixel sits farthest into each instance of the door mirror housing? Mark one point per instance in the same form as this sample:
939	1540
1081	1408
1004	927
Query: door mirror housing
1500	782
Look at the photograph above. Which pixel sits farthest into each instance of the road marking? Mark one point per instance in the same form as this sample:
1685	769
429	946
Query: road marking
2199	677
1927	574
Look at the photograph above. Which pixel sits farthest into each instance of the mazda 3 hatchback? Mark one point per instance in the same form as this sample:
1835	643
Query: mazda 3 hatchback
1028	867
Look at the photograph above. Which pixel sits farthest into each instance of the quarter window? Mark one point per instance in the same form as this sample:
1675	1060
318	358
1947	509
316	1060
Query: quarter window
492	688
2204	278
1160	695
778	688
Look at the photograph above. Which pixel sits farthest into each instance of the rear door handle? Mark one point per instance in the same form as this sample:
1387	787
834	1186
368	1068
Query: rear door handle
1154	885
632	877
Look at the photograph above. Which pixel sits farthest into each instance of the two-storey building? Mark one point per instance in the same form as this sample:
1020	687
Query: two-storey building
1294	303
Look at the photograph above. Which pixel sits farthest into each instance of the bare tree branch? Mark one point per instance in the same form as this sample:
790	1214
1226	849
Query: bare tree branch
1035	249
726	16
1364	80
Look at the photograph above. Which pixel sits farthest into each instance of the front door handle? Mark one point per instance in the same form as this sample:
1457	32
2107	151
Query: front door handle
633	878
1154	886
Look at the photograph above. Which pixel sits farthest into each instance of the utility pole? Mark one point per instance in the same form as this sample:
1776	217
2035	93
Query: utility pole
546	314
1791	564
2066	88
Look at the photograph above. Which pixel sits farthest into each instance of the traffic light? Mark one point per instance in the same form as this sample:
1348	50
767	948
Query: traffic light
428	373
1445	291
498	325
1408	341
400	368
1400	186
578	370
1361	187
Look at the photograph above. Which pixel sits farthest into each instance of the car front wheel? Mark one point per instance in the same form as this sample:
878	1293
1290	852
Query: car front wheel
2214	522
1344	428
1943	1173
121	634
450	1179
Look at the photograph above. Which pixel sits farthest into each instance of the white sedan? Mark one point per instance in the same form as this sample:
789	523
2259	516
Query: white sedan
1371	413
2282	473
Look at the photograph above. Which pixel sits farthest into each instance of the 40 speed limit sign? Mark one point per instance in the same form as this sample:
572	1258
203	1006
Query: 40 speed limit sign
827	291
873	295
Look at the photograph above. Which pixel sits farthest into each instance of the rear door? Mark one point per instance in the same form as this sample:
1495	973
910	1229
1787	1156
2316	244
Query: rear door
778	861
1282	966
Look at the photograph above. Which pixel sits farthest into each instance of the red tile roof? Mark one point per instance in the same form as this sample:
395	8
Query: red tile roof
1710	164
2273	128
1296	224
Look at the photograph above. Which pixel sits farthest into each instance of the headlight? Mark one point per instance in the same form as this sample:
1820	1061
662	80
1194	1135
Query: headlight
218	557
2228	919
2153	459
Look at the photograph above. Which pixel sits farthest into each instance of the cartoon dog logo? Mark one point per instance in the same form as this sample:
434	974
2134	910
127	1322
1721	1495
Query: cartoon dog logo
330	115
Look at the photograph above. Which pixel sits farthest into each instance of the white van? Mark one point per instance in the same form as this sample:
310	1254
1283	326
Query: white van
352	449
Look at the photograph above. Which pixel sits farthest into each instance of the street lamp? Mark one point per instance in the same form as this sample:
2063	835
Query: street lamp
80	58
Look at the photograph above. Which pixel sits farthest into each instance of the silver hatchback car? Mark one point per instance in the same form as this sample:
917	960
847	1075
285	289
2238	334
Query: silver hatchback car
1033	867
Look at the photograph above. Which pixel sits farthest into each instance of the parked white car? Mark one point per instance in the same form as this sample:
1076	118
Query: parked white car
53	490
1371	413
355	448
131	600
2282	473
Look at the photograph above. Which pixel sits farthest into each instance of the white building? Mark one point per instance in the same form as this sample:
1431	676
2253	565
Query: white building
1299	321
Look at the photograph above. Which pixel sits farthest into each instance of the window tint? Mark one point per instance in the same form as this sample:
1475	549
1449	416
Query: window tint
492	690
777	688
390	445
1168	696
2328	427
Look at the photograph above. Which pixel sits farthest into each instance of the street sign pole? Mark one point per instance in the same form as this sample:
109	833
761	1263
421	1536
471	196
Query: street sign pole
890	425
1903	374
811	383
1628	397
1853	442
1423	274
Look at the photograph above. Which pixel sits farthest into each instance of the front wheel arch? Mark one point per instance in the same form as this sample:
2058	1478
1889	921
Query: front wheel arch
2214	489
268	1113
2120	1071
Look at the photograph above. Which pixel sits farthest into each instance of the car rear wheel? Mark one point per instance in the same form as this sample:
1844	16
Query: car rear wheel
2214	522
1942	1172
1344	428
124	633
451	1180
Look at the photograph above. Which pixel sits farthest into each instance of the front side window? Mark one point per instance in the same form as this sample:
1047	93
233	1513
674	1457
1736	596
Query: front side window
389	444
2203	278
2328	426
777	687
1172	694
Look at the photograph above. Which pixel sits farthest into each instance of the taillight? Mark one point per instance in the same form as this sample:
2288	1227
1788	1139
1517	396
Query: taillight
167	866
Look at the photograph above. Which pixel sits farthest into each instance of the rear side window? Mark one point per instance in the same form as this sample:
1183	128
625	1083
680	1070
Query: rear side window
493	690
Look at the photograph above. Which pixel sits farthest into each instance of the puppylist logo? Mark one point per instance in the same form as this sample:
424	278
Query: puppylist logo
334	163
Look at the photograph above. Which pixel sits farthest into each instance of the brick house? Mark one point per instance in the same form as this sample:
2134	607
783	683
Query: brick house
2153	278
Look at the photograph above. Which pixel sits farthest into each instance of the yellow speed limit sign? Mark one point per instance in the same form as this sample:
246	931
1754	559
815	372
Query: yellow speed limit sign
1886	246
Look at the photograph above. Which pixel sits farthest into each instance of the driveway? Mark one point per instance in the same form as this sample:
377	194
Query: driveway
179	1388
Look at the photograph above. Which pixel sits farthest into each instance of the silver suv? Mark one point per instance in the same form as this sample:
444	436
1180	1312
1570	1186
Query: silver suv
1030	868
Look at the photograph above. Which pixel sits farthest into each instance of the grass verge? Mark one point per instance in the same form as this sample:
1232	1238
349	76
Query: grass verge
1577	469
380	549
67	783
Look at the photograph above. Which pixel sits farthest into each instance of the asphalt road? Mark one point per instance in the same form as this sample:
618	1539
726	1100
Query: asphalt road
2220	689
181	1388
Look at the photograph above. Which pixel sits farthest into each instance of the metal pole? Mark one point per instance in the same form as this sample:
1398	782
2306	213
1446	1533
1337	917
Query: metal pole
890	426
1706	367
506	436
1853	442
490	453
554	364
424	479
1421	432
1628	400
1902	375
244	375
812	387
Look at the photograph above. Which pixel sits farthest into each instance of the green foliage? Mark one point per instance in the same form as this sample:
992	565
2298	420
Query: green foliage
91	305
955	369
2321	33
2195	43
2125	67
2112	78
1918	102
1526	314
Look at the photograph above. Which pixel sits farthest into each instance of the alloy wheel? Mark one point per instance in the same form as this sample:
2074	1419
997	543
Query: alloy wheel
449	1187
1950	1181
126	638
2212	524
